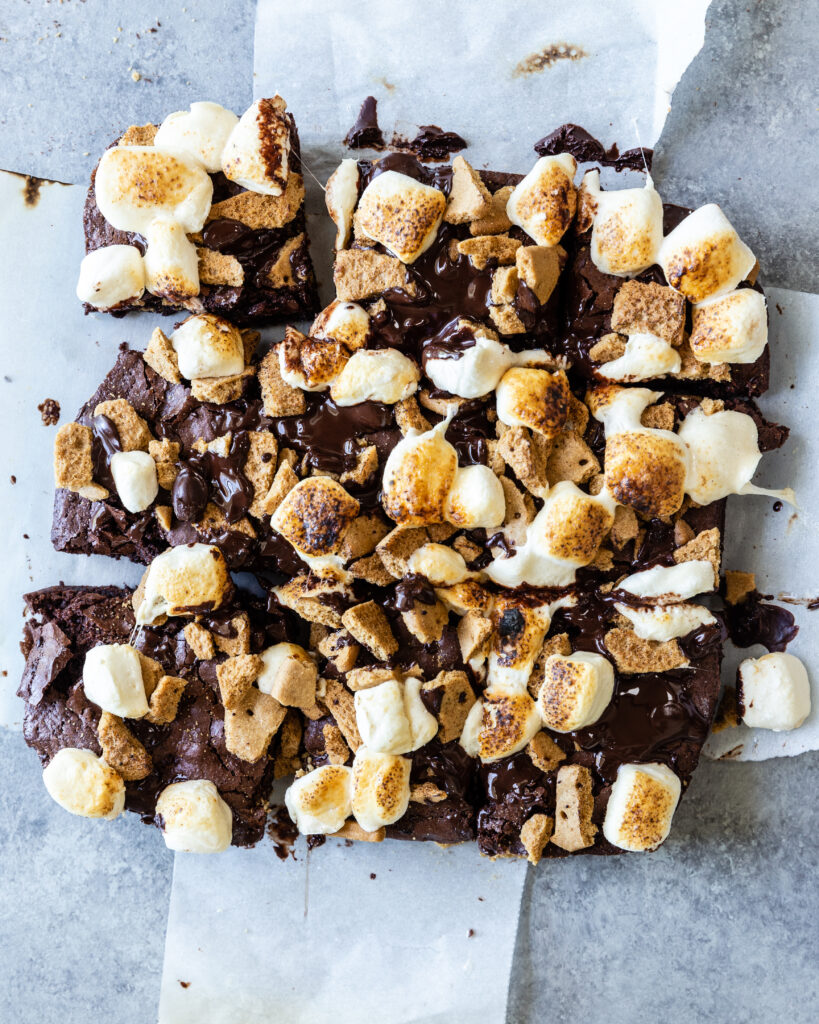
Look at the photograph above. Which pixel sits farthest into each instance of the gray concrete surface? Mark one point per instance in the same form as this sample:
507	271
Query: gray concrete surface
722	922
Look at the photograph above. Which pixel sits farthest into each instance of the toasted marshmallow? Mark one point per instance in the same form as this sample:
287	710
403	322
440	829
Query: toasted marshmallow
627	229
381	788
704	257
207	346
257	151
112	679
476	370
423	725
620	409
136	184
476	499
670	584
344	322
135	479
171	261
441	565
733	329
666	622
314	516
646	356
341	196
82	783
471	732
773	692
391	717
508	722
321	801
111	275
195	818
641	805
519	631
723	456
184	579
310	363
376	375
544	203
532	398
576	690
200	132
647	471
401	213
418	476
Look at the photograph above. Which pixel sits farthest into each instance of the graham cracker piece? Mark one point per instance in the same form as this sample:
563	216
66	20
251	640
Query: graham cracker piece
368	624
73	464
165	454
474	631
341	705
544	753
252	722
278	397
164	515
352	830
408	416
711	405
727	714
283	483
366	464
574	804
151	672
260	468
506	319
281	274
649	309
139	135
495	220
259	211
238	644
372	570
161	356
526	454
213	521
121	749
164	702
539	268
625	526
577	417
296	595
467	549
658	417
295	683
132	429
367	676
535	834
682	533
362	536
426	622
339	648
504	285
468	596
221	390
440	532
236	677
218	268
456	701
483	248
395	549
469	198
427	793
286	761
335	745
359	274
520	511
738	585
557	644
632	654
609	348
706	547
250	342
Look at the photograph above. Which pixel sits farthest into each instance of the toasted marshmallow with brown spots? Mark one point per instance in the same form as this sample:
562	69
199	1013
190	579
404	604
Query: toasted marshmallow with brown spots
646	471
627	227
376	375
321	801
518	633
401	213
314	516
184	580
257	151
418	477
310	363
704	257
476	499
171	261
110	275
733	329
641	805
345	322
82	783
341	196
670	584
208	346
441	565
195	818
200	133
537	399
576	690
381	788
544	202
508	723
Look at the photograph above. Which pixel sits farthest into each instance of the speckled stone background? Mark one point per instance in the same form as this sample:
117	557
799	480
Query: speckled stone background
721	923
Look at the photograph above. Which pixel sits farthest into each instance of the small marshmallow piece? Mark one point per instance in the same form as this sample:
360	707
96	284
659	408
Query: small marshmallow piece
111	275
257	150
171	261
321	801
195	818
671	583
477	370
576	690
391	717
418	476
470	738
704	257
773	692
135	479
182	580
344	322
666	622
509	721
341	196
646	357
544	203
207	346
381	788
733	329
376	375
82	783
441	565
200	133
476	499
314	516
628	227
401	213
532	398
112	679
641	805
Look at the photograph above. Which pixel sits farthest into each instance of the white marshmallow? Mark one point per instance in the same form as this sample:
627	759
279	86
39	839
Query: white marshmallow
381	788
391	717
477	370
543	203
171	261
423	724
341	196
476	499
733	329
620	409
375	375
628	227
83	784
207	346
135	479
441	565
470	738
112	679
110	275
774	692
401	213
257	151
641	805
576	690
321	801
646	356
666	622
704	257
195	818
200	133
672	583
181	579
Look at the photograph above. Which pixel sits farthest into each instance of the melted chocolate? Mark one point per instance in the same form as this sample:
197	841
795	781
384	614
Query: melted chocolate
754	622
365	133
585	148
431	143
